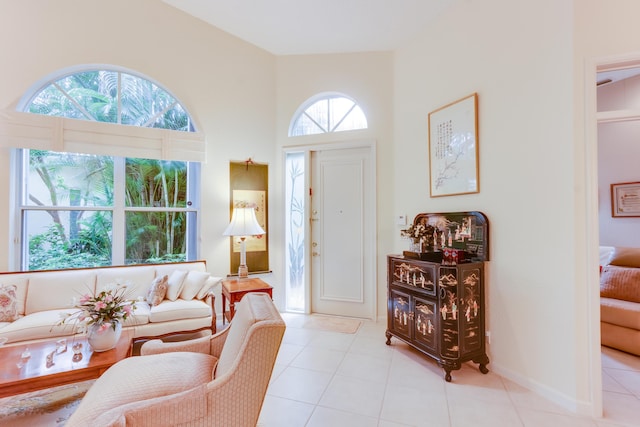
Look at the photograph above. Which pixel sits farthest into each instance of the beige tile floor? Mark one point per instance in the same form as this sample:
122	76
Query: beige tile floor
330	379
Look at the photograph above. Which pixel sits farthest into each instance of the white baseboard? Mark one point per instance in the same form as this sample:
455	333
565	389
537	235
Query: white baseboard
570	404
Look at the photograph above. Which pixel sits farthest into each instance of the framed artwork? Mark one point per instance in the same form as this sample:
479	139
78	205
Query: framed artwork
248	183
625	199
453	148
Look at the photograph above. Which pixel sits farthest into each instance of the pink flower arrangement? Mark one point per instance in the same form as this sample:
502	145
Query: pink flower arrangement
105	309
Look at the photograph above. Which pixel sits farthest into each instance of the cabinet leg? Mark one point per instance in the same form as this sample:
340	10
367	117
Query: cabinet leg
388	335
482	362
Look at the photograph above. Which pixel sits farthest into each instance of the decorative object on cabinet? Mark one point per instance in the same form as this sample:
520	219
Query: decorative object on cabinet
439	309
457	237
453	148
248	183
625	199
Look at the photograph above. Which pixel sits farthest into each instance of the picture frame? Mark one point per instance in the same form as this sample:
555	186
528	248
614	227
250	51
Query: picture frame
453	148
625	199
248	182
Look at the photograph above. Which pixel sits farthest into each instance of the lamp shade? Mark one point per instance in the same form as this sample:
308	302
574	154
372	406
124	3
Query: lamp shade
243	223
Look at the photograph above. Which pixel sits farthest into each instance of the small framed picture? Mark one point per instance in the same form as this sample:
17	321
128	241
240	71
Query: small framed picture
625	199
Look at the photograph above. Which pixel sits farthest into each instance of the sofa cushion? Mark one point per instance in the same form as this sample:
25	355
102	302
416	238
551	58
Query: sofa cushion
137	279
141	378
139	316
627	257
55	290
21	282
179	309
193	283
38	325
175	284
8	303
157	291
620	282
620	312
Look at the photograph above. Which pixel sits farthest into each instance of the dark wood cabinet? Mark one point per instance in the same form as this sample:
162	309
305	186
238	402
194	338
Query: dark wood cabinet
439	310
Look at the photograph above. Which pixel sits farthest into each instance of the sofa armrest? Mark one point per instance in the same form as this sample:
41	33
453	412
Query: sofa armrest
197	345
210	299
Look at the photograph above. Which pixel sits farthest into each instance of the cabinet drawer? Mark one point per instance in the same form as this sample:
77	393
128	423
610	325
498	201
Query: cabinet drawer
414	274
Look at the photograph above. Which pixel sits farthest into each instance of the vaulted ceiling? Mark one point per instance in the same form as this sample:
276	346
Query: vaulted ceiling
293	27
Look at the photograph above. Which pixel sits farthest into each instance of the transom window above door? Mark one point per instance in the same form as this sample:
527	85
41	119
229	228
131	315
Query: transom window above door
325	113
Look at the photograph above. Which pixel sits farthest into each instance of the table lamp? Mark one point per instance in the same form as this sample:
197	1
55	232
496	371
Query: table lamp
243	223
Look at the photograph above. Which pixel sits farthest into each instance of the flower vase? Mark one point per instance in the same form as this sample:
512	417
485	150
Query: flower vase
103	339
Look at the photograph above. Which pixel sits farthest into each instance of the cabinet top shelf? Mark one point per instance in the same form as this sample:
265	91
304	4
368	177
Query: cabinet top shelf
469	231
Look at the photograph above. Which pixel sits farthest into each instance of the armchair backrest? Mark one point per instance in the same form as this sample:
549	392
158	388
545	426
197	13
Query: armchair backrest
254	311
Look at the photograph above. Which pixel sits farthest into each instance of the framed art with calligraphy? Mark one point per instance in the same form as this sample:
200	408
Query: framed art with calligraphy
625	199
453	148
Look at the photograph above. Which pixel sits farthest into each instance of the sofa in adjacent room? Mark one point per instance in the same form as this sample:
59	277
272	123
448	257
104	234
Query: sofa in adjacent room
32	303
620	298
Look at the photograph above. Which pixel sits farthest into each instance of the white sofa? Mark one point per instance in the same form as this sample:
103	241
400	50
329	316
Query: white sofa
42	297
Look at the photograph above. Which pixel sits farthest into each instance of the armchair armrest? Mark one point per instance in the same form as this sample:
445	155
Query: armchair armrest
197	345
211	344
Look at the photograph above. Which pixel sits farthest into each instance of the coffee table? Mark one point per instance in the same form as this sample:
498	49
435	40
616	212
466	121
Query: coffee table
37	374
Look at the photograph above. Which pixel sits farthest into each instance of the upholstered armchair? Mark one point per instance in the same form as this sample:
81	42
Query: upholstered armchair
218	380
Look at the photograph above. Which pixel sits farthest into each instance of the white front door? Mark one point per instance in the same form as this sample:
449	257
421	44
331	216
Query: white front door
343	246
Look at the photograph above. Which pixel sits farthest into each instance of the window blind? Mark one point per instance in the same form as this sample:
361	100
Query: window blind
36	131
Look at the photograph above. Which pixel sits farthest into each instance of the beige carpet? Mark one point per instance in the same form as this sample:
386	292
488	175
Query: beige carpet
49	407
333	324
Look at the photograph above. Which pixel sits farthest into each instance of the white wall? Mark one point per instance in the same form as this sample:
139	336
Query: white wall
618	158
517	55
227	85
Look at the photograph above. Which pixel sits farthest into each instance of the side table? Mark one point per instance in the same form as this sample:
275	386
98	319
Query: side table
234	289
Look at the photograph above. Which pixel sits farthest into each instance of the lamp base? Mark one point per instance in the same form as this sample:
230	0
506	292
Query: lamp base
243	271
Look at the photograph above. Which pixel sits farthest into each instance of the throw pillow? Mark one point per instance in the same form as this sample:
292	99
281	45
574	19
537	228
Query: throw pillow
8	303
620	283
175	284
209	284
626	257
193	283
158	290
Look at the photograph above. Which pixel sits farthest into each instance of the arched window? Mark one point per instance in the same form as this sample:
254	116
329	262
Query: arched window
113	97
327	112
115	198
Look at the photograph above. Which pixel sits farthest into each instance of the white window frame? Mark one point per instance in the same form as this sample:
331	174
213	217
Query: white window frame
302	110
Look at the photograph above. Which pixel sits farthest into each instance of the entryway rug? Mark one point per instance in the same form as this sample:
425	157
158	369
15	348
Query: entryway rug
48	407
333	324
